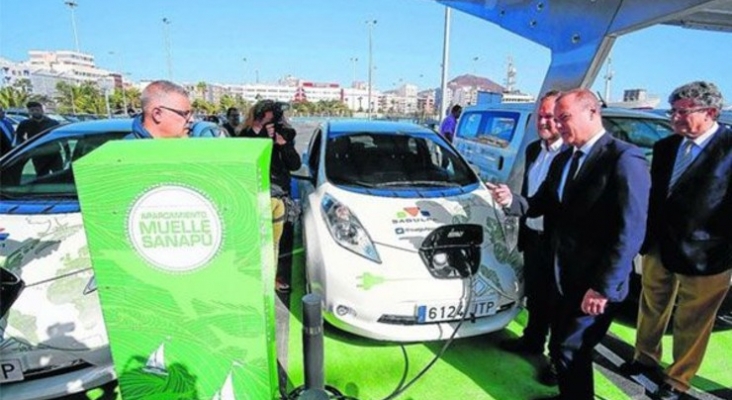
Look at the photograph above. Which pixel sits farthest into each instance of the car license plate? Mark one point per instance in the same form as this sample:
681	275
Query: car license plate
10	371
454	311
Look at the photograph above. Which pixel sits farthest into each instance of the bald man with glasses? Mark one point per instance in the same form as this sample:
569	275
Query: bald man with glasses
166	112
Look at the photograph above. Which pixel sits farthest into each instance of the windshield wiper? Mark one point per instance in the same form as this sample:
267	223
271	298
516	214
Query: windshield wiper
355	183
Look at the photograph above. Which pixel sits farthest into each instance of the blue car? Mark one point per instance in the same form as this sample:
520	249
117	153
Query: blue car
53	338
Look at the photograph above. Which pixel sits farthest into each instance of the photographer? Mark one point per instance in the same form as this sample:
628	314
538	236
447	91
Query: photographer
266	120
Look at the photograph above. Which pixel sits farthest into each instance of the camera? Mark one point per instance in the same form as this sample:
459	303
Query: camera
278	109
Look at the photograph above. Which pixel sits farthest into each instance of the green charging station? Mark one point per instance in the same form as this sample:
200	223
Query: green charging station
180	237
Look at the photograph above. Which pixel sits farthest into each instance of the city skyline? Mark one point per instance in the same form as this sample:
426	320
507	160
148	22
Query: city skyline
327	41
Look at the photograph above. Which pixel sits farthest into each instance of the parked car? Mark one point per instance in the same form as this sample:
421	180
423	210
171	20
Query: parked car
725	118
375	191
489	137
53	341
20	114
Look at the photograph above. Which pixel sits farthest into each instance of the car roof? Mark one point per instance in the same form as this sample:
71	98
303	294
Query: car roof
359	125
95	126
529	107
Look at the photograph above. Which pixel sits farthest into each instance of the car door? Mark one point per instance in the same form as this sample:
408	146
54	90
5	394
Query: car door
489	140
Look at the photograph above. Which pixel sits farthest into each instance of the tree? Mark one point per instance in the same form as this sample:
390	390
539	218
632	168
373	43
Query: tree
13	97
16	95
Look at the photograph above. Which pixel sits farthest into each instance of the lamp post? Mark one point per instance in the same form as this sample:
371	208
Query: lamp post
244	75
370	24
72	4
445	62
166	33
122	81
354	61
475	65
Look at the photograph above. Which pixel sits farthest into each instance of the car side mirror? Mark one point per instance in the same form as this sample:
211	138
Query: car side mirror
303	174
10	288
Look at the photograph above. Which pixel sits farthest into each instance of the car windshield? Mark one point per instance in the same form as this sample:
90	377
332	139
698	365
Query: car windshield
44	168
394	160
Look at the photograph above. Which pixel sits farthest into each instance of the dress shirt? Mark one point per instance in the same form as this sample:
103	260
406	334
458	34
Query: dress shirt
537	173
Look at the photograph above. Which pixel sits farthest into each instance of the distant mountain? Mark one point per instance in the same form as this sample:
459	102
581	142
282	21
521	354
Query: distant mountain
481	83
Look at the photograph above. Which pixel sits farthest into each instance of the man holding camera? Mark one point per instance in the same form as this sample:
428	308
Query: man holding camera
266	120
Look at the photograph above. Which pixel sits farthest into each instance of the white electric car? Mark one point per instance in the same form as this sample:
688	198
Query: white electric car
374	191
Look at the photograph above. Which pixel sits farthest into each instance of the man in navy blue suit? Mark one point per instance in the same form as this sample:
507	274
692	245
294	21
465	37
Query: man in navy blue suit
688	248
594	202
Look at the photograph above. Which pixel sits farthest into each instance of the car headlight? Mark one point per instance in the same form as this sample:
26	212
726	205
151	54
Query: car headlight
346	229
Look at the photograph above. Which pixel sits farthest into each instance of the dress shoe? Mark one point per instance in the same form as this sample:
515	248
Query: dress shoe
668	392
636	368
548	375
521	346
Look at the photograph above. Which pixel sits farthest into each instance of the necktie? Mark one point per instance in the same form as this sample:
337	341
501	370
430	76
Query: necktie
682	163
573	167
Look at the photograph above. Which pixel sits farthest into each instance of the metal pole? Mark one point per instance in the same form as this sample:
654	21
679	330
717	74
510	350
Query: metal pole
122	81
72	5
354	60
106	101
166	32
371	24
312	338
244	75
445	59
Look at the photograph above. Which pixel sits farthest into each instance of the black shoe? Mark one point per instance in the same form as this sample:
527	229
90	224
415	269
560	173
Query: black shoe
636	368
548	375
668	392
521	346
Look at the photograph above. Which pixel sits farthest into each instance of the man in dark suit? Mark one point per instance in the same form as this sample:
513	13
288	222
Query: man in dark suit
688	248
594	202
532	241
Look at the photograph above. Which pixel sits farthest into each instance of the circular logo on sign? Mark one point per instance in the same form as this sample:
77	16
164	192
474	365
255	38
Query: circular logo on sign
175	228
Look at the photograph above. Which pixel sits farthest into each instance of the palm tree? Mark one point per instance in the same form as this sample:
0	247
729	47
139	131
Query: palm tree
13	97
201	87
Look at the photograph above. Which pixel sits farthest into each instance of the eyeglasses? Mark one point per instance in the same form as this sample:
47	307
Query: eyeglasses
183	114
682	112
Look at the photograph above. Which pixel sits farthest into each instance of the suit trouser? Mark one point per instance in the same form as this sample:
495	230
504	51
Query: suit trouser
541	292
699	298
573	339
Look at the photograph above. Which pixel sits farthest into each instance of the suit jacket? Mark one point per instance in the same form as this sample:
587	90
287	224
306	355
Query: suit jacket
599	226
692	225
532	153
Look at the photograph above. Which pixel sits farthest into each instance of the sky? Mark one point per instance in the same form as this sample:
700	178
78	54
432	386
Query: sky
235	41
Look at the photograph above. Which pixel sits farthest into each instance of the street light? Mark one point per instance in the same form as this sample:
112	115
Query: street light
72	4
354	61
245	71
475	65
370	24
122	80
166	34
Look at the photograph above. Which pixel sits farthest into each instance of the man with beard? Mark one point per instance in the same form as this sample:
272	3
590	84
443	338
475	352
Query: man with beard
44	163
35	124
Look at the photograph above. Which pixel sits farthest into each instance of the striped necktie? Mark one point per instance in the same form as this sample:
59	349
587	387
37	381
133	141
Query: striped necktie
683	161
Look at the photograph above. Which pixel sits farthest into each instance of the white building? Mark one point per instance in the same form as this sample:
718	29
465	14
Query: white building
11	72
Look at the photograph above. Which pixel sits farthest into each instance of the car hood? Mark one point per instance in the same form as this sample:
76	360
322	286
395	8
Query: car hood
57	318
405	222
